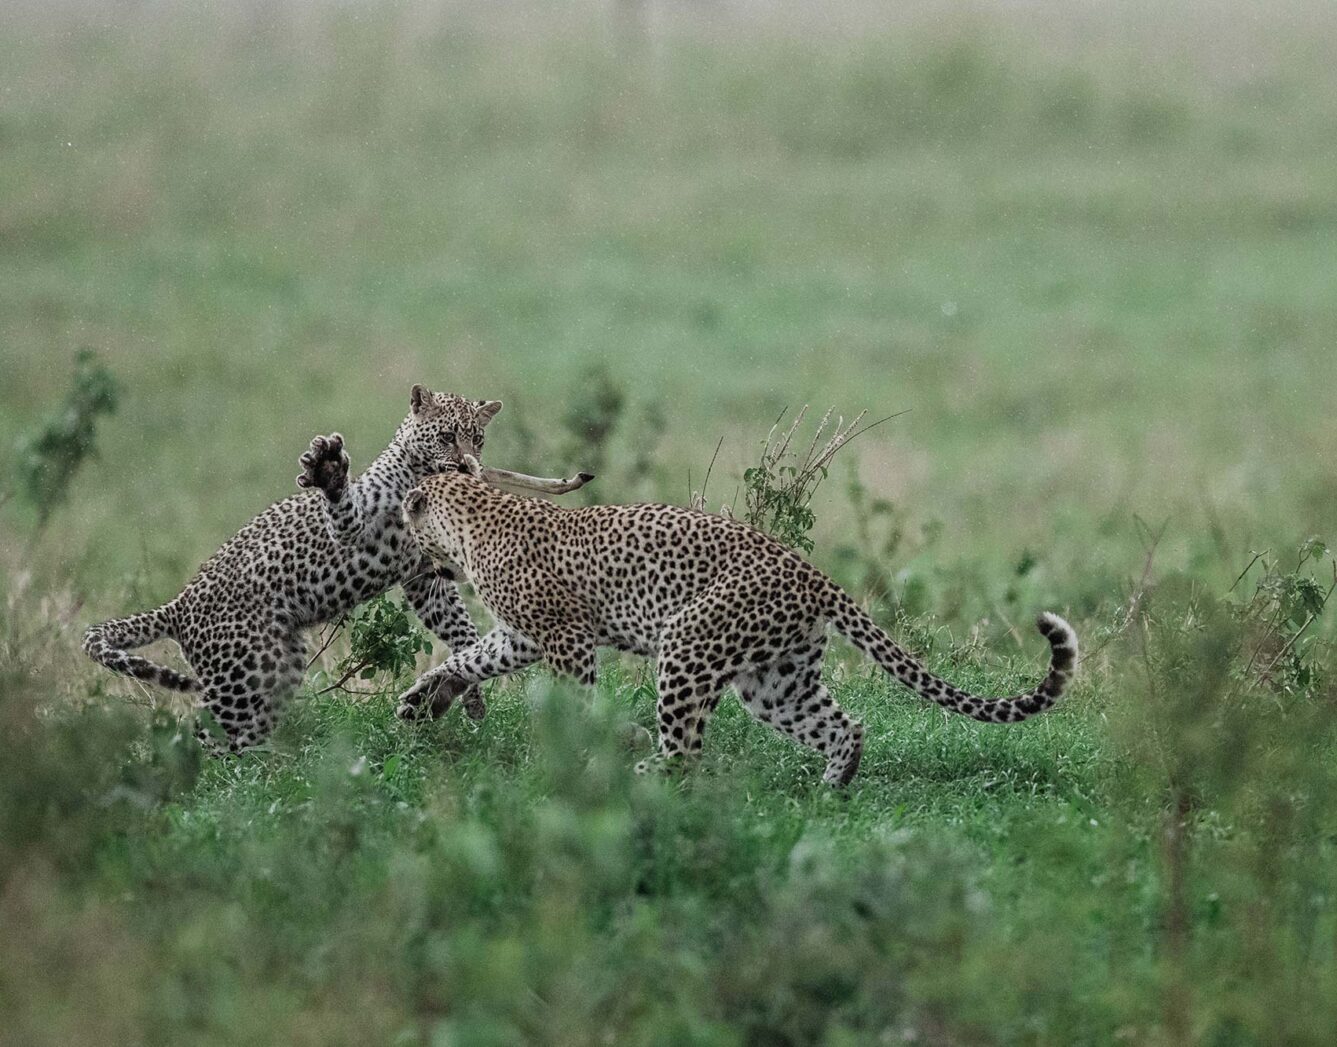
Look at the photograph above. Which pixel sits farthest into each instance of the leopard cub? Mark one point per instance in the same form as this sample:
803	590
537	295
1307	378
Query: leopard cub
308	559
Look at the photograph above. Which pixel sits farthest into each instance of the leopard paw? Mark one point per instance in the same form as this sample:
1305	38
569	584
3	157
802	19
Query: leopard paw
325	466
660	763
435	694
412	701
474	706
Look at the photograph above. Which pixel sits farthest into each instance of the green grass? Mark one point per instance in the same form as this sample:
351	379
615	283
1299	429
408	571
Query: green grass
369	881
1094	257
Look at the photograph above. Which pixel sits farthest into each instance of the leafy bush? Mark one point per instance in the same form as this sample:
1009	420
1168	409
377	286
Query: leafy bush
1242	788
49	458
382	640
778	490
1286	603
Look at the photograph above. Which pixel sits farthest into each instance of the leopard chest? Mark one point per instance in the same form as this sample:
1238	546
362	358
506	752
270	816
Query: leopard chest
350	573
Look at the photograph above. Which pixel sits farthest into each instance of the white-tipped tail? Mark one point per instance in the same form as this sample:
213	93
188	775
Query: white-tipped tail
852	621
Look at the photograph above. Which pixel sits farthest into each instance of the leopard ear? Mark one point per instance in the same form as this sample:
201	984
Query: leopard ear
419	398
415	501
487	410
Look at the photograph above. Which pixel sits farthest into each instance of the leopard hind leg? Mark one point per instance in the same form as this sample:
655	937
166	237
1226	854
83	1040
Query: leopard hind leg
701	649
244	681
789	695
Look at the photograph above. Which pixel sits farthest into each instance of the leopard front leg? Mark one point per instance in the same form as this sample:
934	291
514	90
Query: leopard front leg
436	601
497	653
325	468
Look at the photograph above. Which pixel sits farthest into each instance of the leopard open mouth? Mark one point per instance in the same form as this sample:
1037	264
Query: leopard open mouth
454	465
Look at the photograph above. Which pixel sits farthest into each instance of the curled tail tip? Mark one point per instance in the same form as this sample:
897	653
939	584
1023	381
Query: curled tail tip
1062	640
107	643
93	637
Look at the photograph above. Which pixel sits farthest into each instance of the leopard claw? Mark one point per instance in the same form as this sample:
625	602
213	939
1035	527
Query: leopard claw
325	466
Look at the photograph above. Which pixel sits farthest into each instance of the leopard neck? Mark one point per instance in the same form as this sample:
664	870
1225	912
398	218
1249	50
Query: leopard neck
384	483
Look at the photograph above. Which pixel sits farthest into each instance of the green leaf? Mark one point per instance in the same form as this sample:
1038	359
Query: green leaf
1311	595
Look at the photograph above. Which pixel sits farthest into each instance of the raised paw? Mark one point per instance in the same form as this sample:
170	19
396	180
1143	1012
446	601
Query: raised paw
420	695
325	466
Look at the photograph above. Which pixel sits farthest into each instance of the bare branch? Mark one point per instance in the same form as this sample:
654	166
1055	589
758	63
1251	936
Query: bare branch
328	637
522	482
1256	558
1137	596
338	684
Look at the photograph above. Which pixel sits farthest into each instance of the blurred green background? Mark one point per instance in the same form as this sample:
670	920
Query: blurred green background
1092	247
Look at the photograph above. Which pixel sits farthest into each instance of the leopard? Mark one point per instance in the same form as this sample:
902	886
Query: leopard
716	602
241	621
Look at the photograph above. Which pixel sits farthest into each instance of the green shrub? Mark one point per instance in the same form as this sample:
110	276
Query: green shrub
383	640
49	458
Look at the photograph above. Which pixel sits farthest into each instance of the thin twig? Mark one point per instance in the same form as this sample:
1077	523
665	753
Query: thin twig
339	683
844	435
329	639
1265	673
1256	558
706	482
1138	595
874	425
1313	616
817	433
783	446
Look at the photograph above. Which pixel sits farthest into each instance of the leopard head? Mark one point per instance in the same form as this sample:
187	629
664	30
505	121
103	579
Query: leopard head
439	510
442	428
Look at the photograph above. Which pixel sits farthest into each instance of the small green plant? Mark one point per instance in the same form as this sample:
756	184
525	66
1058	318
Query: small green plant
1286	603
605	432
778	490
382	639
594	410
1190	729
49	458
865	559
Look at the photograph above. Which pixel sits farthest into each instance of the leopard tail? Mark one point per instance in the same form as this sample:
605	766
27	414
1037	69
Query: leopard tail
108	643
853	622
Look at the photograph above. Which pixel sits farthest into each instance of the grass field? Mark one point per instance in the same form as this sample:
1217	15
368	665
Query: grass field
1090	251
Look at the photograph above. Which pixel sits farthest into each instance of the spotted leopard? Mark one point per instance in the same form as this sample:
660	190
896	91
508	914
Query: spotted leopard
306	560
715	601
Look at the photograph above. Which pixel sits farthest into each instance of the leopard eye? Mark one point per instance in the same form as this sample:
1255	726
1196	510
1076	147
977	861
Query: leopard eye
448	436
